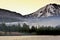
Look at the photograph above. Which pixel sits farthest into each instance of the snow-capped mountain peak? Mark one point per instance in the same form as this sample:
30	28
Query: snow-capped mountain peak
48	10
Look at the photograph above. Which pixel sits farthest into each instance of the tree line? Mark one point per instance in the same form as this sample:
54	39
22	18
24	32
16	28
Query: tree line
41	30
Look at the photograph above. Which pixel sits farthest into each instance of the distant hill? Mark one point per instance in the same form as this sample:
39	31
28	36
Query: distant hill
9	16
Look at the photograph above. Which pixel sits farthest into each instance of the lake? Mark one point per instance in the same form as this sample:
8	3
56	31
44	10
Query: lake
33	37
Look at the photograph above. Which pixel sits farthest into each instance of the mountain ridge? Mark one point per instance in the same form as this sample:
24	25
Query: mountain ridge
48	10
9	11
47	15
9	16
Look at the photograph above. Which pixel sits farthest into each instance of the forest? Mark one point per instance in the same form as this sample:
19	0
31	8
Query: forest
34	30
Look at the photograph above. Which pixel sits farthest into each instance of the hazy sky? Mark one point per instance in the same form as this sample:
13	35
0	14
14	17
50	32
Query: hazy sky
25	6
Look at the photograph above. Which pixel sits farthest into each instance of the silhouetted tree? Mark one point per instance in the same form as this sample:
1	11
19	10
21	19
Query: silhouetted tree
33	29
25	28
4	28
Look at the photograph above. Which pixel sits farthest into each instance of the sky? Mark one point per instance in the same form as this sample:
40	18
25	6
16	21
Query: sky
25	7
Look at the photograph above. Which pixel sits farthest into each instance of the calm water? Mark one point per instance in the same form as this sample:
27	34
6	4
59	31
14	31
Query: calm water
29	37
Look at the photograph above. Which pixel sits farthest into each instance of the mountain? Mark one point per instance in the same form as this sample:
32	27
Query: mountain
48	15
9	16
48	10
